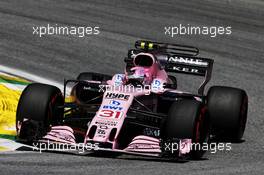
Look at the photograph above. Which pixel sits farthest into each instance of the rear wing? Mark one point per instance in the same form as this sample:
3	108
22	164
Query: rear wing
191	65
175	58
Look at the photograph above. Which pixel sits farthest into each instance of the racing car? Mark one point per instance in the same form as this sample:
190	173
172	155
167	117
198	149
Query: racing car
140	111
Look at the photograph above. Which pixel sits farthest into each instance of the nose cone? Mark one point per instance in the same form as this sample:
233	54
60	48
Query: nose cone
100	139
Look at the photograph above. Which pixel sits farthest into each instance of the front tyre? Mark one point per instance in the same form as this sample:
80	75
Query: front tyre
39	106
188	119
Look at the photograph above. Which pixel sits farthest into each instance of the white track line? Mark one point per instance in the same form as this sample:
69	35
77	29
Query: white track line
31	77
12	145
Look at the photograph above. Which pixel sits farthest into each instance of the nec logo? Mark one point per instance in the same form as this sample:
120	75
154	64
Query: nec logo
111	95
186	60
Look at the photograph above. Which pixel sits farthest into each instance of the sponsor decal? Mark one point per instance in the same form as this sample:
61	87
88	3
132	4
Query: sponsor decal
106	123
142	146
118	79
105	113
119	96
186	60
87	88
101	131
151	132
157	86
185	69
114	105
103	127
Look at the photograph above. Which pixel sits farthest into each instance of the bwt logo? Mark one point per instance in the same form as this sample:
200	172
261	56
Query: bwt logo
115	105
117	96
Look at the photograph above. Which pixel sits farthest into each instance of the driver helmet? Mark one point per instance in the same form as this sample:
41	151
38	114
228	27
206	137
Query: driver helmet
145	68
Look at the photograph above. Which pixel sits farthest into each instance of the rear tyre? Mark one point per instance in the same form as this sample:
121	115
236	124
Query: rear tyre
37	109
227	109
187	119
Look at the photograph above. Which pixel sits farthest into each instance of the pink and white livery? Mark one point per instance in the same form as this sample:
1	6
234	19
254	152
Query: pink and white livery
138	112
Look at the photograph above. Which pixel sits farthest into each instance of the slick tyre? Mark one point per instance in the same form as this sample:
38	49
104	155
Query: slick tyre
227	109
188	119
39	106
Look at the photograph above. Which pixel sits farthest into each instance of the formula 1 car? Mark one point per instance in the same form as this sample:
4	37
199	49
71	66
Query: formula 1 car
139	112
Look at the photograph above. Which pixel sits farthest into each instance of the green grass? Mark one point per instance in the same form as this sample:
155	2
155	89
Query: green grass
10	137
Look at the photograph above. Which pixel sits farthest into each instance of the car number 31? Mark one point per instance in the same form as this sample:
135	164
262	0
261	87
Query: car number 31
110	114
